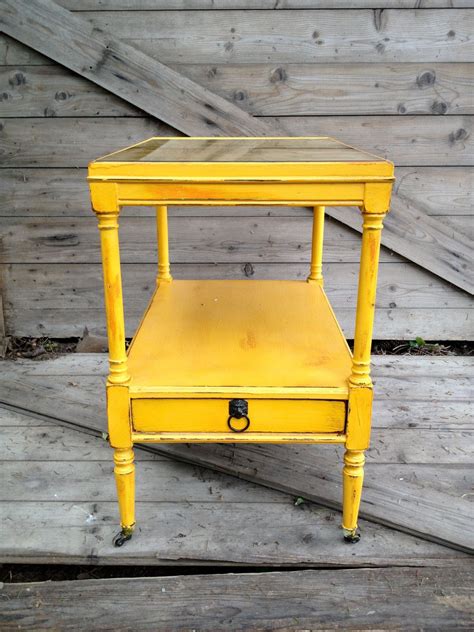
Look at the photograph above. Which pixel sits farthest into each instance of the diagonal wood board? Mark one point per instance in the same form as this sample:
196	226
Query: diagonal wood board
418	473
173	98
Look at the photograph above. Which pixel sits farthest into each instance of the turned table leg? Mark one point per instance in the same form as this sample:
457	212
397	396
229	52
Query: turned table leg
353	478
316	269
360	383
124	471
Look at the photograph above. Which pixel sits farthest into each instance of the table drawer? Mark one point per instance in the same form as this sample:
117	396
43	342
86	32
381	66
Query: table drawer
211	415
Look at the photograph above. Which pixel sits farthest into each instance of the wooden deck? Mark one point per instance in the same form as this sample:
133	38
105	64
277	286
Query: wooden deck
59	494
418	473
58	506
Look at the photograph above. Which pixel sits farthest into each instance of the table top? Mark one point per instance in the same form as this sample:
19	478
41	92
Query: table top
246	158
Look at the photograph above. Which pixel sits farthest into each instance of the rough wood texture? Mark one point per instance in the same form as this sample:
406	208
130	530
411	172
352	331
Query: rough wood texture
411	140
403	490
415	240
299	36
302	36
409	302
405	598
260	89
161	5
60	494
359	89
122	69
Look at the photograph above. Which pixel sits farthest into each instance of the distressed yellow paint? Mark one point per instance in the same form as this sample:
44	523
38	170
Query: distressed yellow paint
208	414
226	437
124	470
316	268
118	415
353	478
163	246
359	411
274	334
276	344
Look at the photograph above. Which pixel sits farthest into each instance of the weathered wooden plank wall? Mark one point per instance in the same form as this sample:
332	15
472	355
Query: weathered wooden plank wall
395	80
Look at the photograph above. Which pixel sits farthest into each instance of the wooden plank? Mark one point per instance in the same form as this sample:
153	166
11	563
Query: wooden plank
394	494
452	413
264	239
412	323
192	240
318	36
90	393
41	191
389	447
406	140
65	508
55	91
412	141
445	367
260	89
195	533
313	599
424	35
60	300
339	89
124	70
13	52
401	285
161	5
450	259
400	403
3	333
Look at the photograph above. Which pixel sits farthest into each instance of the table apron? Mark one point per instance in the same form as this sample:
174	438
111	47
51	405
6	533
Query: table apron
293	194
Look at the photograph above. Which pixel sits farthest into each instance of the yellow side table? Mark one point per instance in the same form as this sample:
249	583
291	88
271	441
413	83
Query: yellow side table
240	361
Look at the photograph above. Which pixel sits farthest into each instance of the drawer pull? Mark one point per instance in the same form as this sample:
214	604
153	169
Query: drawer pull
238	409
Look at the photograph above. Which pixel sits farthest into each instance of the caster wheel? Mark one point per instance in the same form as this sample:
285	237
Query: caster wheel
351	536
121	538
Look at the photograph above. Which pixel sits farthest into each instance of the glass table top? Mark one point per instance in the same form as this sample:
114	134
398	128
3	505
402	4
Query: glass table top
321	149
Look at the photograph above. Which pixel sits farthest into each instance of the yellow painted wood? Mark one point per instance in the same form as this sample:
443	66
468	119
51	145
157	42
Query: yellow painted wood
359	417
163	246
233	437
276	334
218	193
124	471
118	415
108	227
369	260
353	478
316	270
276	344
265	415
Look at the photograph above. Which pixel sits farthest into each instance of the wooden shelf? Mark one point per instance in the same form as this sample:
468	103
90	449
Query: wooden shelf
267	338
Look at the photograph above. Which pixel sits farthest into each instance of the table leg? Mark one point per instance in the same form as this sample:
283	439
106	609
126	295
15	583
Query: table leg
124	471
316	270
163	245
353	477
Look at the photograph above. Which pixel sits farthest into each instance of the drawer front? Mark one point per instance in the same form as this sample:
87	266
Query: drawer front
211	415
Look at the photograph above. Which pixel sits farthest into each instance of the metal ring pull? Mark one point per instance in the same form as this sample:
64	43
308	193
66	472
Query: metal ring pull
238	409
229	423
